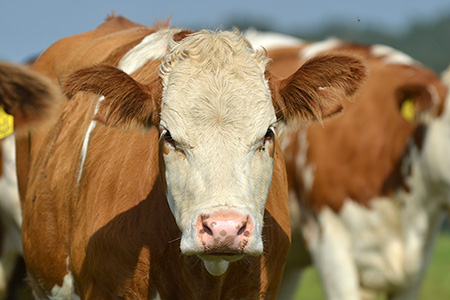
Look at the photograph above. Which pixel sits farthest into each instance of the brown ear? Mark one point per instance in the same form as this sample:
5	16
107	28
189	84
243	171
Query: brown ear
27	95
127	104
415	100
316	90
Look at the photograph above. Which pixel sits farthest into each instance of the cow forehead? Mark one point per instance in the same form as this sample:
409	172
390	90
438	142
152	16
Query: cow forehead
215	84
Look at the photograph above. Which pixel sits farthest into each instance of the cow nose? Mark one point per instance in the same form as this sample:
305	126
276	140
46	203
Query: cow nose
224	232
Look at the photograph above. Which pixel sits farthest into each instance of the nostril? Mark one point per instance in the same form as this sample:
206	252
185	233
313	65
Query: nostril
243	227
206	229
241	231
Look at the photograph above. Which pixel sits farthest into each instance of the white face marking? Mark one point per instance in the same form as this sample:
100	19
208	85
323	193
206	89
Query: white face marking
314	49
271	40
66	291
153	46
392	56
218	120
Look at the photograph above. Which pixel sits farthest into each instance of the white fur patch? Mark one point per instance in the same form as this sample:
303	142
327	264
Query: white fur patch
84	148
302	165
152	47
10	213
66	291
331	249
270	40
377	243
9	195
314	49
392	56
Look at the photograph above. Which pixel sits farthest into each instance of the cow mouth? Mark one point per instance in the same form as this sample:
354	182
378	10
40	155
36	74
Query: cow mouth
222	255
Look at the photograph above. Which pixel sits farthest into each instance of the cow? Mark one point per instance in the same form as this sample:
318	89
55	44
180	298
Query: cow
368	190
161	175
17	84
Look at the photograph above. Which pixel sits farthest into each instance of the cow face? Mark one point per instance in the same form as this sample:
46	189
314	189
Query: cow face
217	109
217	128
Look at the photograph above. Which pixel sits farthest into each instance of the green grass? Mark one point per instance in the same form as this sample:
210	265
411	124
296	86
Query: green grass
436	285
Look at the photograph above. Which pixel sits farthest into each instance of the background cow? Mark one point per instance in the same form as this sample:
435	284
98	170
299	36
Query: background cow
368	190
10	215
20	90
156	112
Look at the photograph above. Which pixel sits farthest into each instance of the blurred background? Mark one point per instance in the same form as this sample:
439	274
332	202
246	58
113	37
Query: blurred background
419	28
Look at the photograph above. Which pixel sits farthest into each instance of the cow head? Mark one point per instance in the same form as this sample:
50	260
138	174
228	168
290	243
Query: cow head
217	108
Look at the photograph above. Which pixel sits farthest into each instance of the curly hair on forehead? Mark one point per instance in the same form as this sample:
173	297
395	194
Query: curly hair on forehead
214	50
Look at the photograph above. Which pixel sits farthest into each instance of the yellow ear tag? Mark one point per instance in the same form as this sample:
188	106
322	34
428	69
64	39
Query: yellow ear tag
407	110
6	124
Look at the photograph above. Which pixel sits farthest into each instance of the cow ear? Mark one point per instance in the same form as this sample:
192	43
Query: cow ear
417	102
316	90
27	95
126	104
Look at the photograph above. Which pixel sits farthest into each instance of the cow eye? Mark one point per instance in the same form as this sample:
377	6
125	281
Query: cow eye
269	135
168	138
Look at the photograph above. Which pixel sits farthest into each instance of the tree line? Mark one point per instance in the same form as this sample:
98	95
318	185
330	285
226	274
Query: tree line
427	41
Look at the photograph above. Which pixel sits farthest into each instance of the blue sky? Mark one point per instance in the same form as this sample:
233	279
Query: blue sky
28	27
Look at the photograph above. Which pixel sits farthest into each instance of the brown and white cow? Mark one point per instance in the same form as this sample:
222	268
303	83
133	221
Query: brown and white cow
368	190
20	89
162	177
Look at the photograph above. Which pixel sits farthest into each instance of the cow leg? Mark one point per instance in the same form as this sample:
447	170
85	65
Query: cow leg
331	251
411	292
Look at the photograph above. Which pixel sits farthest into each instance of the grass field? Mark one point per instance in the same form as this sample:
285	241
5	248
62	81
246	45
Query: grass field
436	285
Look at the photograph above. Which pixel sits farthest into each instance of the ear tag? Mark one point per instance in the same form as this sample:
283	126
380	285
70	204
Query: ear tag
407	110
6	124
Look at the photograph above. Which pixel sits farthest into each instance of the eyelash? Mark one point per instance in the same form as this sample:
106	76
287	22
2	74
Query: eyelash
165	134
267	138
269	135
